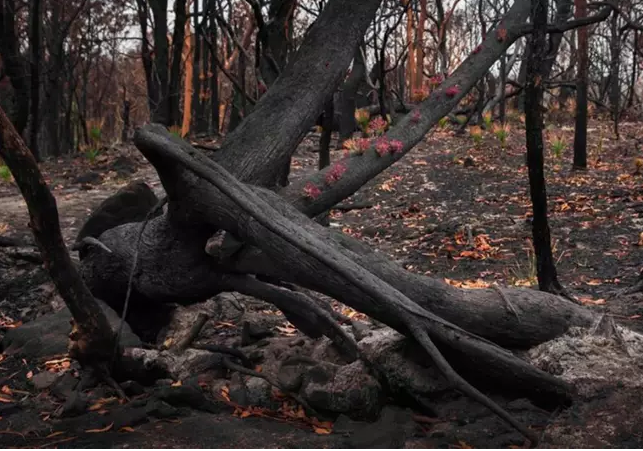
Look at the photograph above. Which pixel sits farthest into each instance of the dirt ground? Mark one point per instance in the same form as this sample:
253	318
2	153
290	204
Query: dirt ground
449	209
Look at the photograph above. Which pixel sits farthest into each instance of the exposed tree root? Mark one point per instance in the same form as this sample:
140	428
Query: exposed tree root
300	310
272	381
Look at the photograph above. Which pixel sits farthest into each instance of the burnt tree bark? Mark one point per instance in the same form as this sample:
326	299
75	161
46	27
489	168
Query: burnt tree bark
547	276
92	337
580	129
14	64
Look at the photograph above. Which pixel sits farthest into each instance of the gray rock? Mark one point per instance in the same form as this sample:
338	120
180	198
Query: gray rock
49	334
64	386
74	406
44	380
347	389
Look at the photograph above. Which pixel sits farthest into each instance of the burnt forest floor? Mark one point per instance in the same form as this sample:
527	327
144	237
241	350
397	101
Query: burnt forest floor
449	209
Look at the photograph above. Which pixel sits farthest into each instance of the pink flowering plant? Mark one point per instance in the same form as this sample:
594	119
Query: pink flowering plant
311	191
335	173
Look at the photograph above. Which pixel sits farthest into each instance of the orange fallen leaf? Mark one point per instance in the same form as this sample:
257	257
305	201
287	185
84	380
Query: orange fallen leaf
177	384
6	390
420	163
55	434
105	429
322	430
29	374
245	414
126	429
101	403
5	399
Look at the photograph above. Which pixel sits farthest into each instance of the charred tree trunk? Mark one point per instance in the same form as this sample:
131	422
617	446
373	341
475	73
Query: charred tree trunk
547	277
14	64
197	103
580	131
93	339
347	97
279	241
615	80
178	40
214	76
35	45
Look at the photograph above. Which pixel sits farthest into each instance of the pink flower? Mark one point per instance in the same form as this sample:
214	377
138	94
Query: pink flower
416	116
477	49
396	145
363	144
378	125
453	91
382	146
312	191
436	80
335	173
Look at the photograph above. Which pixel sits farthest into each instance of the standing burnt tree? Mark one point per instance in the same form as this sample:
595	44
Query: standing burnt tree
268	237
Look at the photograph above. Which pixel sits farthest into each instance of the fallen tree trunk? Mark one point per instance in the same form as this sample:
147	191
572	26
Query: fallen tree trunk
203	278
259	226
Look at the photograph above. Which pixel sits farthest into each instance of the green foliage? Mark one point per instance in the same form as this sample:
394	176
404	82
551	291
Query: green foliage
5	173
95	134
91	153
487	120
558	146
443	122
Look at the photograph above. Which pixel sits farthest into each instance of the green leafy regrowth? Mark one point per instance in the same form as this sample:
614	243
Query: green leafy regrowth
502	133
91	154
476	134
5	173
558	146
487	120
443	122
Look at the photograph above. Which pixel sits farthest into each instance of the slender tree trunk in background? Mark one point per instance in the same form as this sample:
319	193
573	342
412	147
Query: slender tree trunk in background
327	132
324	148
442	44
198	121
547	277
126	120
632	93
502	104
34	45
14	64
347	97
419	49
410	39
215	118
178	40
615	80
188	89
159	64
580	132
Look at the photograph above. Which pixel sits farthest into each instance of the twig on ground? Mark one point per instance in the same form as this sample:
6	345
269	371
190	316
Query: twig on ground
130	281
198	324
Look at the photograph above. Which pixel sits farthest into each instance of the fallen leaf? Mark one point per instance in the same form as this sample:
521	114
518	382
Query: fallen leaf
177	384
55	434
126	429
5	399
322	431
105	429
